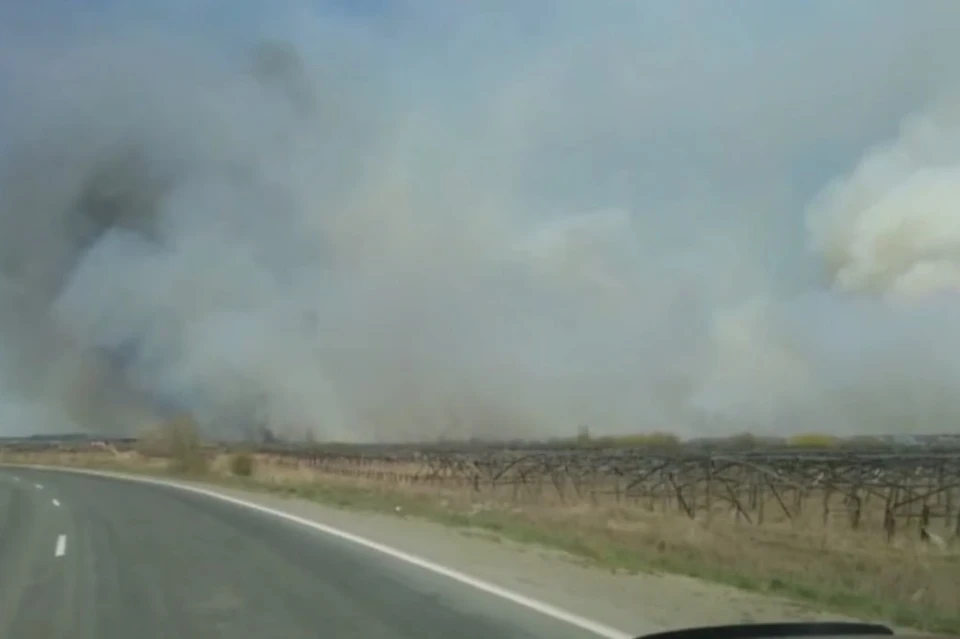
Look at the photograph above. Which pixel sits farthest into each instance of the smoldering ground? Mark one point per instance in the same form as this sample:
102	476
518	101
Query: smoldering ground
442	220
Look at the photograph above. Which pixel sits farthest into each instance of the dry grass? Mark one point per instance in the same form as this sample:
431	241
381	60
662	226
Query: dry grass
826	564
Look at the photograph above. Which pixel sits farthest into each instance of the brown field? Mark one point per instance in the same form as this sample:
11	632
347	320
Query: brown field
862	551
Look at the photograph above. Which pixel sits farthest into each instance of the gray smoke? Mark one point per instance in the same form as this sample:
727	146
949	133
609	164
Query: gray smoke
448	222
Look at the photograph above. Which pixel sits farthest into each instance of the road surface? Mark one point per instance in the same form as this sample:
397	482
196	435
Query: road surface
90	557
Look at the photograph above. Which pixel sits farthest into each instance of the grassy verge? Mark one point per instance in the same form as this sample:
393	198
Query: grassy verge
907	586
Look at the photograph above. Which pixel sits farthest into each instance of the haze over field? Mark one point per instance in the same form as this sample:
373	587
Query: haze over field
415	218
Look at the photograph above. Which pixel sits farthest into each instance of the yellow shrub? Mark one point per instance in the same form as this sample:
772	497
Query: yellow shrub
813	440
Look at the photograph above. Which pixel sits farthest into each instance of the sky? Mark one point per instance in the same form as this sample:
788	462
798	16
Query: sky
871	61
507	218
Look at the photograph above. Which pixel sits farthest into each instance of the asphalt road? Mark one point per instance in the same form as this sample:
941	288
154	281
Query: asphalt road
85	557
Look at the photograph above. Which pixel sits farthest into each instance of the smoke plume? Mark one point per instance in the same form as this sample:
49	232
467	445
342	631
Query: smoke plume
434	221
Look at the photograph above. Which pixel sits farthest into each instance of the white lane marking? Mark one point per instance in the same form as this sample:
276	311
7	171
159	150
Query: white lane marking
56	502
530	603
39	486
61	548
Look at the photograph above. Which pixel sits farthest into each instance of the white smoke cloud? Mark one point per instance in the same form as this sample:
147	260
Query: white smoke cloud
893	226
442	223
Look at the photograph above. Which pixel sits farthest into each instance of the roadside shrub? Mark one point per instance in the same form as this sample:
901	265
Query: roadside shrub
179	442
187	455
242	464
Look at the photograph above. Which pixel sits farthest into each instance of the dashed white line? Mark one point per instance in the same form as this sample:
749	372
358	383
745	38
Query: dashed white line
56	502
39	486
61	548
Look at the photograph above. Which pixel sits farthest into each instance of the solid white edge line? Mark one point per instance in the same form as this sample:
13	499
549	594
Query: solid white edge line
56	502
61	548
530	603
